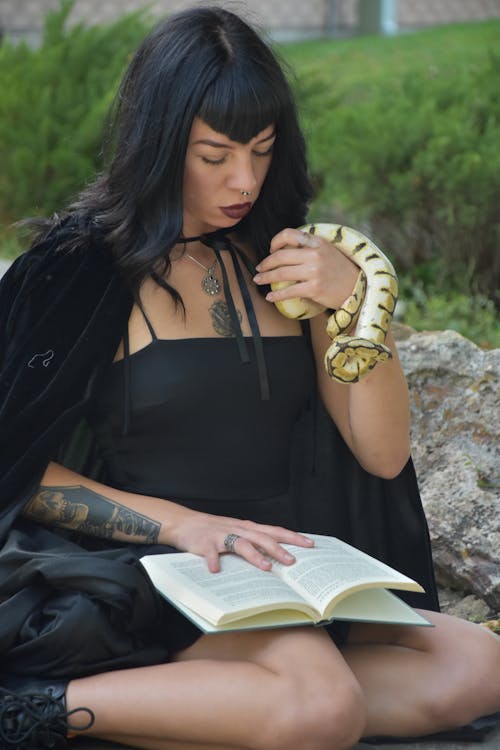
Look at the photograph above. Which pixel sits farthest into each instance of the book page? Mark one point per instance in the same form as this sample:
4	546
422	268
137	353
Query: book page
331	568
377	605
219	597
277	618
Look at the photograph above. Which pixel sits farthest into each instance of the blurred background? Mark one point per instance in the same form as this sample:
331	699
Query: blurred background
287	20
399	101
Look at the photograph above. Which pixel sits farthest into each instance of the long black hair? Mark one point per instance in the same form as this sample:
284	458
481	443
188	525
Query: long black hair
203	62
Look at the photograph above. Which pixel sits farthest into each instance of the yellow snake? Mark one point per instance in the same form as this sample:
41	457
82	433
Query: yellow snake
370	306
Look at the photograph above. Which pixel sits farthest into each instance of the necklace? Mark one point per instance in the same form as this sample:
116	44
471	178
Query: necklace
209	283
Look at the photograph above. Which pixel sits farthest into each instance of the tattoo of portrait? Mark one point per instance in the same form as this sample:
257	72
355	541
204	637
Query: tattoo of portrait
221	320
84	510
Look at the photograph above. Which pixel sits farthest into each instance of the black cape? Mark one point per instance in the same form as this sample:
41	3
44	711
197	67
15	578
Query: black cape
62	316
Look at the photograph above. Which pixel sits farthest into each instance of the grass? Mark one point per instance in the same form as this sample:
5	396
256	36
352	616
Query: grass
359	61
332	76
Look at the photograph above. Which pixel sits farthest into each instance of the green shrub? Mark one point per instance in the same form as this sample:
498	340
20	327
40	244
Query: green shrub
472	315
404	141
53	101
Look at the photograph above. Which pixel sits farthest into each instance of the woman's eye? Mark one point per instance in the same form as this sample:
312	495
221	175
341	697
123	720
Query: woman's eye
267	152
213	161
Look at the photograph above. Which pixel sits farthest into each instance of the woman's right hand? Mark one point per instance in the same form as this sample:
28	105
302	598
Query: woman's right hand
260	544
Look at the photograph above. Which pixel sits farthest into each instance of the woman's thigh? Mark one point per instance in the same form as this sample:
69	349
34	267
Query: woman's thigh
302	649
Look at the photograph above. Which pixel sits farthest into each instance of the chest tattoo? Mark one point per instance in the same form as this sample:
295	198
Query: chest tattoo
221	320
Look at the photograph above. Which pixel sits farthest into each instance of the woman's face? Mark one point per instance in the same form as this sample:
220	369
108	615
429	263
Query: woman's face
217	174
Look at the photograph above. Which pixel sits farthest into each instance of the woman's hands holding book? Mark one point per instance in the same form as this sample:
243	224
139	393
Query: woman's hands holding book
205	535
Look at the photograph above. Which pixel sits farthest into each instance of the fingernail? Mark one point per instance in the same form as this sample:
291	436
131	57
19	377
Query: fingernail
257	268
257	278
288	557
313	242
270	297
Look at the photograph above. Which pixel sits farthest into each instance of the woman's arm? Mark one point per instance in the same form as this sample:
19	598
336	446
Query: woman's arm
69	500
373	414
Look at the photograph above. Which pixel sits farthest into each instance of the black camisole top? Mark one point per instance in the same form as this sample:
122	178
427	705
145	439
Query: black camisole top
197	429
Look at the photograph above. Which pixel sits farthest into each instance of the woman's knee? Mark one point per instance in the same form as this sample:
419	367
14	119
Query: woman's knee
317	714
466	685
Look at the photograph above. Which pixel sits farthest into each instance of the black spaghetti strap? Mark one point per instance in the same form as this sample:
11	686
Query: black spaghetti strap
151	330
126	382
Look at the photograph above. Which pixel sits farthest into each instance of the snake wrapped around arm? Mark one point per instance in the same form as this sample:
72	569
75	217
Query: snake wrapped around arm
369	308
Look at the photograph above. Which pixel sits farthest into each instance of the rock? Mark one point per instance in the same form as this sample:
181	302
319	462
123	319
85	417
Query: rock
401	331
468	607
455	405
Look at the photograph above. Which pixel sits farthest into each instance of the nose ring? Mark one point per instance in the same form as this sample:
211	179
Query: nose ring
245	192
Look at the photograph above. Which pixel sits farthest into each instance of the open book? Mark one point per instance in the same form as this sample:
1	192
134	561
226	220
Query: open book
330	581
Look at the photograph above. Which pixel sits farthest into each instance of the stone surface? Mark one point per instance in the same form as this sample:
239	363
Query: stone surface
468	607
455	403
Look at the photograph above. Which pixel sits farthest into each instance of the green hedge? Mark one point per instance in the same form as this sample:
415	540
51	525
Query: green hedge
404	138
53	101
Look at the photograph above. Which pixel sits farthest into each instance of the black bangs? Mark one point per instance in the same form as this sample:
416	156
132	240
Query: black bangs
241	103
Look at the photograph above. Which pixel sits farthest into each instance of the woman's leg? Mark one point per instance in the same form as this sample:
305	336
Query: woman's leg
419	680
260	690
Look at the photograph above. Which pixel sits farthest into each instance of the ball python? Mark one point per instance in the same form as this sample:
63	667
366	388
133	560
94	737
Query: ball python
369	307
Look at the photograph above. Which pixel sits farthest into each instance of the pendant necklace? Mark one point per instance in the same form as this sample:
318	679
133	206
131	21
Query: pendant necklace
209	283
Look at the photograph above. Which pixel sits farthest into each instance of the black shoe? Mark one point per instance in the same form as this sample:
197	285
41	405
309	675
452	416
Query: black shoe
33	714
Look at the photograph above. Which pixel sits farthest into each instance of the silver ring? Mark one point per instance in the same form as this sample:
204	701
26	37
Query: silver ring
230	541
245	192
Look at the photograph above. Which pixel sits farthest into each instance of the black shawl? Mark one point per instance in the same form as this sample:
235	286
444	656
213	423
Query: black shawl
62	315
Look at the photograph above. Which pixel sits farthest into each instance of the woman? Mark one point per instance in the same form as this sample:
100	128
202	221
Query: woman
140	312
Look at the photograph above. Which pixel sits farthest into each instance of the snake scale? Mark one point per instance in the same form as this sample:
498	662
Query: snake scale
369	307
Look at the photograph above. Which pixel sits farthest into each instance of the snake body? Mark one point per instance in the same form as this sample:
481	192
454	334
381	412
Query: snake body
369	307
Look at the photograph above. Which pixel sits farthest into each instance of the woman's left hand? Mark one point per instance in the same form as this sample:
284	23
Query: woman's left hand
321	272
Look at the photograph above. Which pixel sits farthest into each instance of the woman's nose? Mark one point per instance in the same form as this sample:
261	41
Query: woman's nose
243	177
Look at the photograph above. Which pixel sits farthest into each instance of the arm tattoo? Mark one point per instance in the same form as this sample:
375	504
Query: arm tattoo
221	320
84	510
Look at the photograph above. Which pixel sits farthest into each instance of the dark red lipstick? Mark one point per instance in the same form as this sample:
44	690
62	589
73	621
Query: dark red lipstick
238	211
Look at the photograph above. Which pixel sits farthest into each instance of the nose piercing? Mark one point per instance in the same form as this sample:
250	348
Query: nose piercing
245	192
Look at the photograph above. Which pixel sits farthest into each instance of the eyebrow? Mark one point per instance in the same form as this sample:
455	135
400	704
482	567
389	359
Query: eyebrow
217	144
